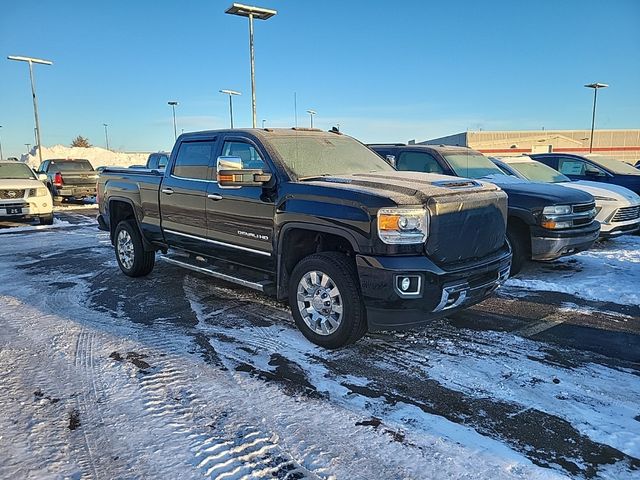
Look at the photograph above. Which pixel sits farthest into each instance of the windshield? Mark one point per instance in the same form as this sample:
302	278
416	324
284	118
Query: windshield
16	171
313	156
616	166
538	172
70	165
472	165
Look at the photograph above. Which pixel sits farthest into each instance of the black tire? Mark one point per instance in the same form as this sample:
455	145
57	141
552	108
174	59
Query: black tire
133	259
343	273
519	248
46	219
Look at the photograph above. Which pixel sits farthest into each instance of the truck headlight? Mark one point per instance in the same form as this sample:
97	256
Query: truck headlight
403	225
38	192
557	210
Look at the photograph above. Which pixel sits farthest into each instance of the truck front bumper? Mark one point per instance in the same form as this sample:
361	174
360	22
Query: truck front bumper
431	292
551	244
26	209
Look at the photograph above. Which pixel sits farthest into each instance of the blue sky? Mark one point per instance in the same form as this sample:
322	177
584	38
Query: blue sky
385	71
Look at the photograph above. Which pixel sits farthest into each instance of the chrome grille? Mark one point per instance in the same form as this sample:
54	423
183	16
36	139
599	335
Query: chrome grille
626	213
11	194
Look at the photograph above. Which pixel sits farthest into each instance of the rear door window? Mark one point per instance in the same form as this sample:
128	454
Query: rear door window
194	160
572	166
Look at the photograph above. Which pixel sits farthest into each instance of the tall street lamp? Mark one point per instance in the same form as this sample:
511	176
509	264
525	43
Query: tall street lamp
263	120
1	157
311	114
173	104
259	14
231	93
31	61
106	134
595	87
28	145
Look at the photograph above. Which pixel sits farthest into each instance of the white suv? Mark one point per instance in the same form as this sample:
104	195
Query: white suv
23	195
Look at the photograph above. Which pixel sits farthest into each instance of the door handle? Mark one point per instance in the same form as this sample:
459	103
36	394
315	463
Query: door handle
168	191
214	196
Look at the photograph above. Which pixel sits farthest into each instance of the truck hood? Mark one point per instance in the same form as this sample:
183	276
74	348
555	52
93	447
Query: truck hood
19	184
405	188
623	195
531	195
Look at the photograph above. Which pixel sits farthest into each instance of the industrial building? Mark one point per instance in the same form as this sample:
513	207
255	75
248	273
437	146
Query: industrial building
621	144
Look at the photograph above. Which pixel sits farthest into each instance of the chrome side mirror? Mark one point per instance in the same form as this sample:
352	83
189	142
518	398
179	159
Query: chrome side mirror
231	174
42	177
391	159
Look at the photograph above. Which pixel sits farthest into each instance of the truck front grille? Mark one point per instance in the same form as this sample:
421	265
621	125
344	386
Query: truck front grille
626	213
585	207
11	194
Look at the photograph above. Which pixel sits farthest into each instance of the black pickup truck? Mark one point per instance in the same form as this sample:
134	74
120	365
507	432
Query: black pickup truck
315	218
544	222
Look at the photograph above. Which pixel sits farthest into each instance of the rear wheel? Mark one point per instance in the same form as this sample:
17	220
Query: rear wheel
133	259
519	248
325	299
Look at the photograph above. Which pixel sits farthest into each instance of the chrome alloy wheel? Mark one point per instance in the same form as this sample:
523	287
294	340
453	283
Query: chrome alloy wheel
319	302
124	247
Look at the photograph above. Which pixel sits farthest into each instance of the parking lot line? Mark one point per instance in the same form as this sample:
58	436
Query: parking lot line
545	323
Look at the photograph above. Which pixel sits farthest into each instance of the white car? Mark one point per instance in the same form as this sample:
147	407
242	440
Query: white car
618	208
23	195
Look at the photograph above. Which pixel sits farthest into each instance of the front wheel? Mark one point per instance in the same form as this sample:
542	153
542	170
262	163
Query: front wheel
46	219
325	298
518	244
133	259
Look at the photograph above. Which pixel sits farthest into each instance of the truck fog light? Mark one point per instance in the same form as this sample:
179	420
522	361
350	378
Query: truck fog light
408	285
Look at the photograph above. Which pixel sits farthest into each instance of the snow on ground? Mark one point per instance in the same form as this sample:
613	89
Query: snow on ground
96	155
86	391
609	272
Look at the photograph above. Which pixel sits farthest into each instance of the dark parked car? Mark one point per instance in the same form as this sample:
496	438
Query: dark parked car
545	221
70	178
315	218
596	168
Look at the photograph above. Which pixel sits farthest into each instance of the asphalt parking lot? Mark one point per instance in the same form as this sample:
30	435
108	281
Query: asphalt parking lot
109	377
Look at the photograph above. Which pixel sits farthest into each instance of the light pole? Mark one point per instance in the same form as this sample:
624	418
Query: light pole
259	14
106	134
1	157
173	104
28	145
31	61
263	120
595	87
231	93
311	114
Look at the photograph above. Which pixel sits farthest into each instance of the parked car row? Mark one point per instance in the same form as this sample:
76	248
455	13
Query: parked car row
351	241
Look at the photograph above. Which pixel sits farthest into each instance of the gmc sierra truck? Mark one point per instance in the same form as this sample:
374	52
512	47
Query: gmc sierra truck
315	218
545	221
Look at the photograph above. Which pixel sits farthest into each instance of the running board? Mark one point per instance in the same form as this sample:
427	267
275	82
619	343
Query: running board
260	286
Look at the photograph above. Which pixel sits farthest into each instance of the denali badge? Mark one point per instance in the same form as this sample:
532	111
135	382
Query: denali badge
257	236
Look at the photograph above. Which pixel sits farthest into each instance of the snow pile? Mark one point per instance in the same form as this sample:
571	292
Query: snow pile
609	272
96	155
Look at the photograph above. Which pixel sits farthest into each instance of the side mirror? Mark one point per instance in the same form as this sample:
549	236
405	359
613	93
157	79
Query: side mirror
42	177
593	173
391	159
232	175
